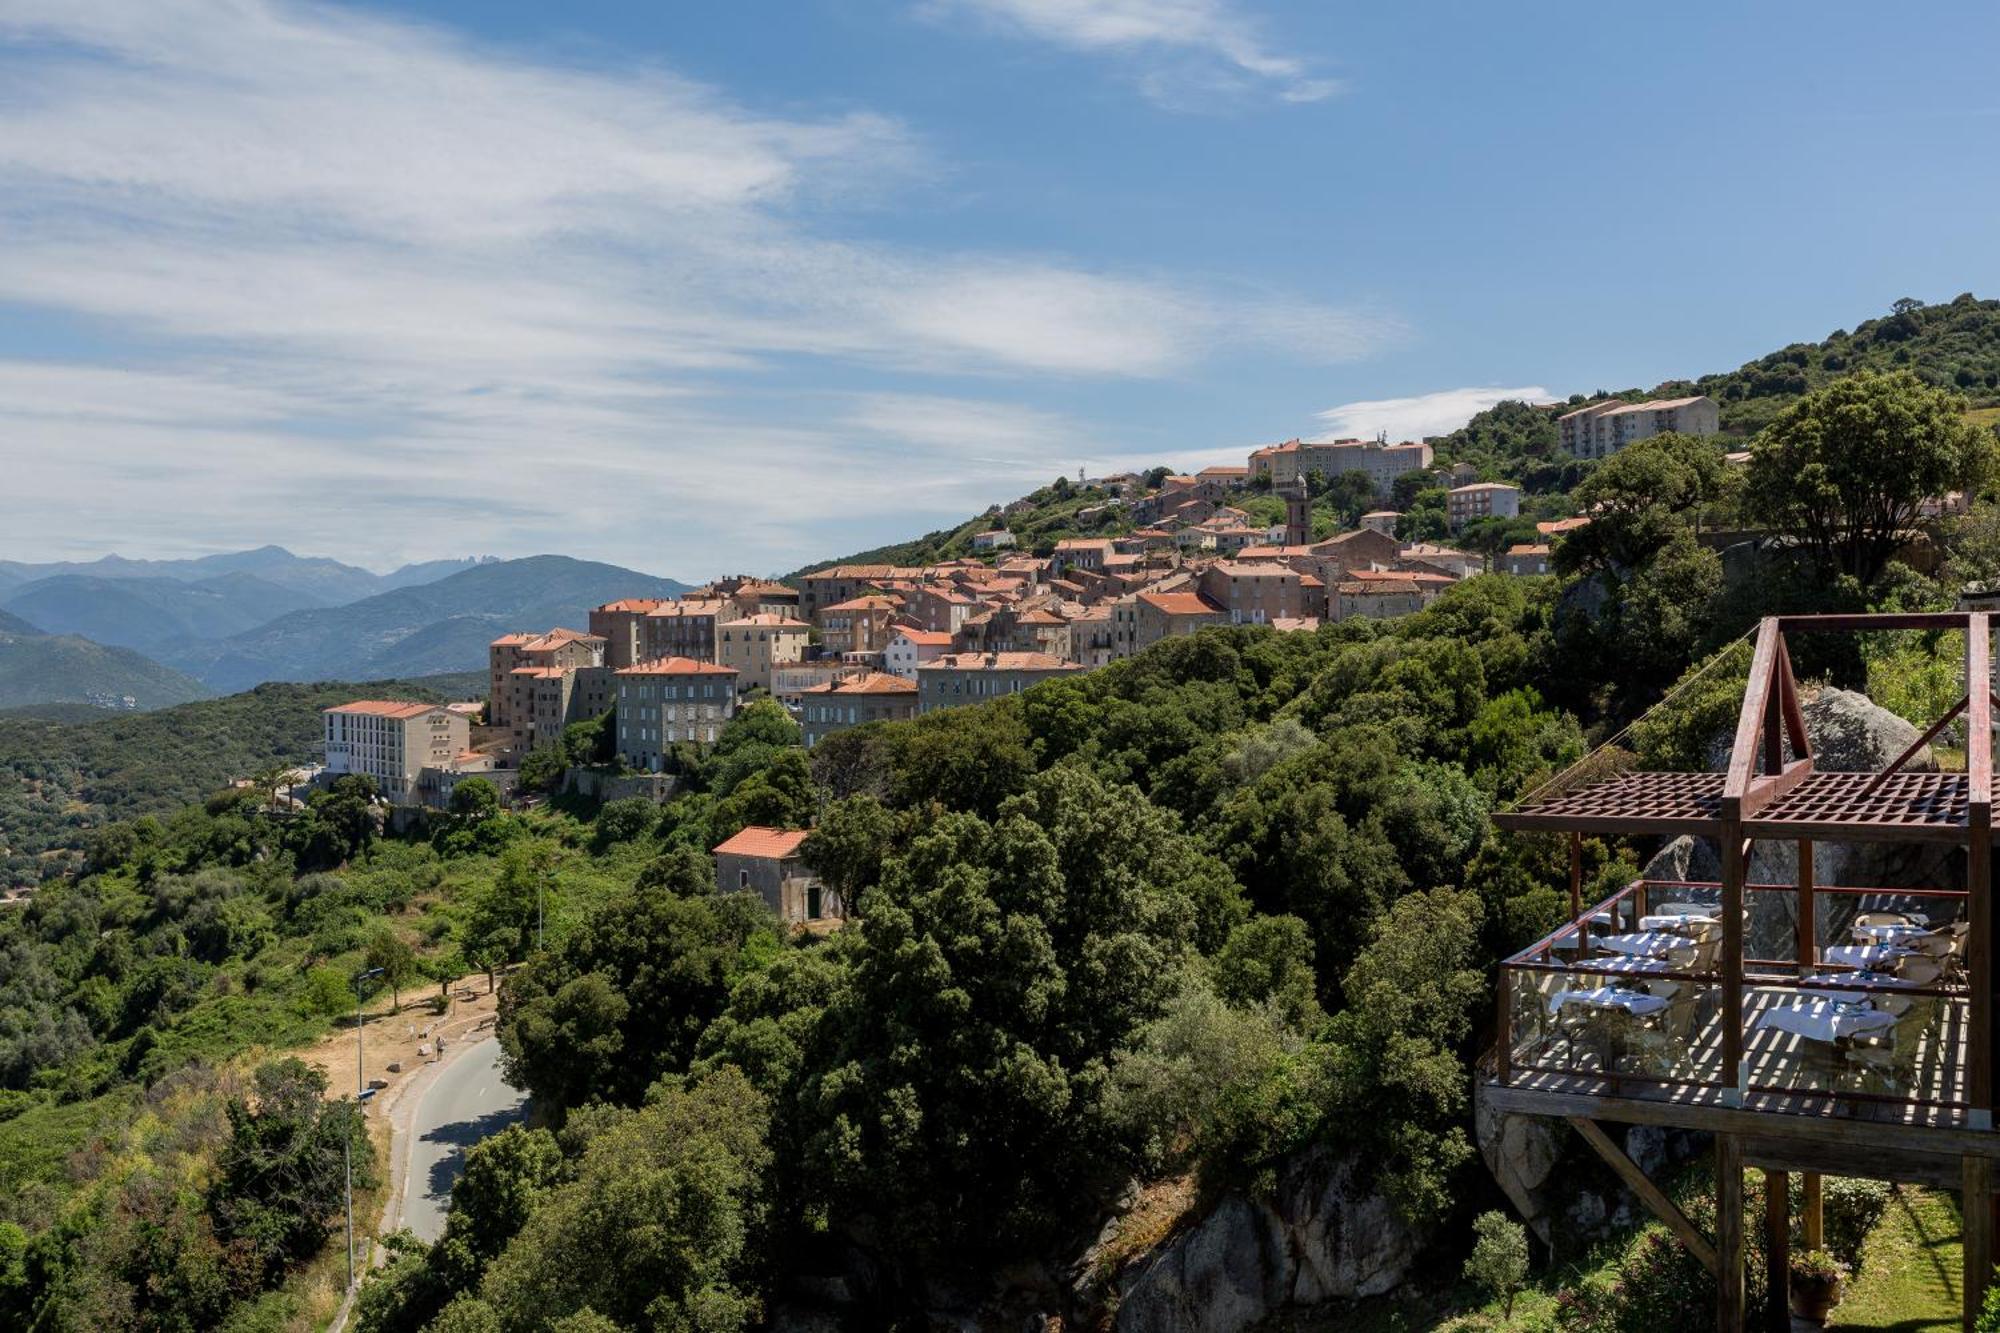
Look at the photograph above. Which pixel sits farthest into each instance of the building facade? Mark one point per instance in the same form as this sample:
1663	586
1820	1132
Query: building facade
393	743
520	669
766	862
671	701
1482	499
1600	430
759	644
873	696
970	678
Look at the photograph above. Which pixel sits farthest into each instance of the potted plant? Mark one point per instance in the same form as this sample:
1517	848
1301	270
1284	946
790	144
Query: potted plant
1817	1279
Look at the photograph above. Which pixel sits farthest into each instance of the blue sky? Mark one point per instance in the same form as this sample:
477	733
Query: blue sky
711	287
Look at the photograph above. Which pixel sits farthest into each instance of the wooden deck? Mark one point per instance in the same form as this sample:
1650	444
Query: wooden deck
1787	1074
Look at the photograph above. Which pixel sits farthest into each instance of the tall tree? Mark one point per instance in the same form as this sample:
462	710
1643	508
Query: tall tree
1846	468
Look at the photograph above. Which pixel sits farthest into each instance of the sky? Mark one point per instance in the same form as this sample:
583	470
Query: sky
707	288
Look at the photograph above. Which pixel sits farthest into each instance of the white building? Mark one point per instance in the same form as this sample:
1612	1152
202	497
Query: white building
995	540
393	743
1602	429
909	648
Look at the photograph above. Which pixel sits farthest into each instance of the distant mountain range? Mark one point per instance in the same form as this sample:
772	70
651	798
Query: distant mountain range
75	631
415	631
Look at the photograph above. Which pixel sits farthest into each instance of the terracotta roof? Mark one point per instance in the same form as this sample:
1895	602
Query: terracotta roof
540	673
634	604
873	682
556	638
1082	543
998	662
692	606
1483	486
1291	624
767	618
1223	471
1273	552
1396	576
1560	525
866	604
676	666
1236	569
774	843
509	640
1383	513
382	708
1042	617
1180	603
1527	548
1385	588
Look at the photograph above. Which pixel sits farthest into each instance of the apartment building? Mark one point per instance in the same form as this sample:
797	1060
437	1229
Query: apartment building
1256	594
671	701
993	539
1083	552
842	583
970	678
1443	559
526	672
756	645
393	743
1382	521
873	696
1601	429
1382	463
1482	499
1379	599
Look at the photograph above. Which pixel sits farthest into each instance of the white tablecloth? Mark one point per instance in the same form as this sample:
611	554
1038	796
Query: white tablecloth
1676	921
1647	944
1864	955
1823	1020
1885	980
1622	965
1889	934
1637	1003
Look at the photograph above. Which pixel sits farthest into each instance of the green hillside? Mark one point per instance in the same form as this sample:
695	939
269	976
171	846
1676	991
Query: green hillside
61	778
38	668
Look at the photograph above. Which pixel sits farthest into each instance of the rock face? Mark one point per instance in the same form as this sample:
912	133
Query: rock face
1321	1236
1522	1152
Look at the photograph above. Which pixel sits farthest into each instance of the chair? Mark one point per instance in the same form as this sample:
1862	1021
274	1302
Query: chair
1883	919
1890	1060
1685	909
1920	970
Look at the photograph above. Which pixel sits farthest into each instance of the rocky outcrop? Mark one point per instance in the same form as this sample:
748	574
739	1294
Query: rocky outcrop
1521	1151
1321	1236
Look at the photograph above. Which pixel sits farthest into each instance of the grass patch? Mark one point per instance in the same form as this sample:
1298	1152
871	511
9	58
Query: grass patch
1910	1268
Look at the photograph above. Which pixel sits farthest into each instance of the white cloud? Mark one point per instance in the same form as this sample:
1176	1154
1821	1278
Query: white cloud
1184	52
1425	414
533	306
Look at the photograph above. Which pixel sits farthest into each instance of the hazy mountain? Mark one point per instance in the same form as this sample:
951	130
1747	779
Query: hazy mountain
40	668
432	627
430	571
145	613
13	624
327	582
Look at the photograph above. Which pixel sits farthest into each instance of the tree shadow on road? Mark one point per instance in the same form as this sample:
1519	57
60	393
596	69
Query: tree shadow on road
460	1135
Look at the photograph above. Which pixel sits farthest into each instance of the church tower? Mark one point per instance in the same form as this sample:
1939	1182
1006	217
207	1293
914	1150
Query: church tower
1298	514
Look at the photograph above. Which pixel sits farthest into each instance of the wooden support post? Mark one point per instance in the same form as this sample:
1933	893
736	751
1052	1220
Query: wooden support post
1576	893
1812	1211
1649	1194
1976	1208
1980	946
1733	859
1808	945
1728	1234
1777	1252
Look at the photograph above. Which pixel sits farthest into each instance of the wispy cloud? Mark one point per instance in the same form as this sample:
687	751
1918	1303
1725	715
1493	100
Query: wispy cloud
326	252
1182	52
1424	414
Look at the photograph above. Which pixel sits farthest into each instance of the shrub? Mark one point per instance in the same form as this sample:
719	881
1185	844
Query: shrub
626	819
1498	1264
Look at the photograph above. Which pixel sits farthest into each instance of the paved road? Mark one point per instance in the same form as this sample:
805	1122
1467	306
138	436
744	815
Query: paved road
468	1102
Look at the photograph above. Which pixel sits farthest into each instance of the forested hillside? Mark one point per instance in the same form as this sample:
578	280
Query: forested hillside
60	779
65	668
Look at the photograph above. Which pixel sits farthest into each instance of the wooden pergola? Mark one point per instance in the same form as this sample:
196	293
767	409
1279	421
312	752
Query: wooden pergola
1771	790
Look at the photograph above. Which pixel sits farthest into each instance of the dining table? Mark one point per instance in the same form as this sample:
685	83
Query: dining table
1889	934
1825	1020
1868	956
1643	944
1878	980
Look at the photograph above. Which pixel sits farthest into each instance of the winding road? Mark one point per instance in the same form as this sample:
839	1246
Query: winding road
468	1102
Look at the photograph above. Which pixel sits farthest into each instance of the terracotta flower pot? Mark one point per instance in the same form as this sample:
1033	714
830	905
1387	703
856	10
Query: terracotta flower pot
1814	1297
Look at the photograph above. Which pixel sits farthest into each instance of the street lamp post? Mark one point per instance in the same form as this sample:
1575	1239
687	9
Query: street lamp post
360	1086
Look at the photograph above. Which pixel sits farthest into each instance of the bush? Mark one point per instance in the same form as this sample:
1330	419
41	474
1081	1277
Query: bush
624	820
1498	1264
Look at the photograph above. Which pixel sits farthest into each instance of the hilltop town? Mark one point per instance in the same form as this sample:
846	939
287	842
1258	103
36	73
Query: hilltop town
854	643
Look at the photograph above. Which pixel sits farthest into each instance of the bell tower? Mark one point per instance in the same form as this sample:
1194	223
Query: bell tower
1298	514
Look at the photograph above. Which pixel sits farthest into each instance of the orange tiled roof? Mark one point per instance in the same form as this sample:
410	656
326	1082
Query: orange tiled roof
998	662
1180	603
924	638
676	666
873	682
774	843
866	604
382	708
634	604
766	618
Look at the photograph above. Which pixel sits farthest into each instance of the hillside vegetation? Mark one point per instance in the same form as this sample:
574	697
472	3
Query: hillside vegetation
38	668
61	779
